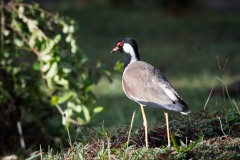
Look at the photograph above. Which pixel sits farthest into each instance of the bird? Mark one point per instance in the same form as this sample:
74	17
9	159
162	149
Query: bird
147	85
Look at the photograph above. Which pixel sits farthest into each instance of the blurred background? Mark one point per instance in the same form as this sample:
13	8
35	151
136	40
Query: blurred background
186	39
191	41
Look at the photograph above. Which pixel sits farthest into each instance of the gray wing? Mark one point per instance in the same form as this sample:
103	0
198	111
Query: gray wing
148	86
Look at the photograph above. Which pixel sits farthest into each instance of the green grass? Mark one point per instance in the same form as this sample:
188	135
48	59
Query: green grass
203	137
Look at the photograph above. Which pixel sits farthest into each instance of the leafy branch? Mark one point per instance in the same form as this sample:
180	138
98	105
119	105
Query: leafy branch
64	81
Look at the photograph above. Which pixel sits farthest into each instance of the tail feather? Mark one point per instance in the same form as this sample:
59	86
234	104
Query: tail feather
185	110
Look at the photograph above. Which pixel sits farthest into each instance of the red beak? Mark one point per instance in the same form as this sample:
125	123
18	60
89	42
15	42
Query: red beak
114	50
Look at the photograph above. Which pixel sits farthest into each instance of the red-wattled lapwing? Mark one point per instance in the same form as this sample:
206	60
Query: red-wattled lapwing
146	84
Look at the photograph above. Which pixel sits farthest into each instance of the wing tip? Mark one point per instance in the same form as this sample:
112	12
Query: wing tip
186	112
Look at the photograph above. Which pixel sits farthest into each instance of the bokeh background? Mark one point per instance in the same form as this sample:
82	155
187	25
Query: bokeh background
186	39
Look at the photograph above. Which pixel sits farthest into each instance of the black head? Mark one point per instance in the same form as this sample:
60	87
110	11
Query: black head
127	46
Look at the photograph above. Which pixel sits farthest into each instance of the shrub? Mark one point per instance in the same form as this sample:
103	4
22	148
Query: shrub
42	71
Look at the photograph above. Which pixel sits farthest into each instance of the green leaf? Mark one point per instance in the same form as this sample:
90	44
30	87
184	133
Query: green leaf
49	46
42	15
32	25
71	29
98	109
46	58
66	70
119	66
32	40
65	28
6	32
69	38
194	144
88	88
65	97
50	84
6	54
54	100
175	145
57	38
3	62
75	107
68	112
83	59
61	81
20	9
74	49
46	67
53	70
80	120
15	24
86	113
36	66
15	70
18	42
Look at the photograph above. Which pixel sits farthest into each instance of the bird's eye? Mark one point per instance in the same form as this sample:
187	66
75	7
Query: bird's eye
120	44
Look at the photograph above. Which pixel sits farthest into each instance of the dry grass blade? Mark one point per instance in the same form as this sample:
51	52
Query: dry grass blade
129	134
206	103
219	65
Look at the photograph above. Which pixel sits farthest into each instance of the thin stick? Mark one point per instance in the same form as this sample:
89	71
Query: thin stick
69	137
224	66
41	154
2	23
221	126
145	125
213	82
22	142
129	134
168	133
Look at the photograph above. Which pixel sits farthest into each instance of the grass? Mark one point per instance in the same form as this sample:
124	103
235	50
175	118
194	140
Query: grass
201	137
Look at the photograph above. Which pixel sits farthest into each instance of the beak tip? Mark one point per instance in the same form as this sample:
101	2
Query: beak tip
112	51
116	49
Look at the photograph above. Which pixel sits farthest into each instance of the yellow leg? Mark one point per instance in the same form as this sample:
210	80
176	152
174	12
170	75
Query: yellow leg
167	124
145	125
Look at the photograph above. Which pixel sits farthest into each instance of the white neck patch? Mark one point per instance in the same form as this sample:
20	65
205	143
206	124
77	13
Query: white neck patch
128	49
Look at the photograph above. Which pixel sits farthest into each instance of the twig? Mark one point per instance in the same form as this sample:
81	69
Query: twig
2	23
235	104
129	134
225	86
21	134
221	126
63	114
213	82
69	137
224	66
41	153
226	89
